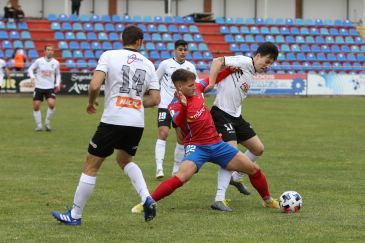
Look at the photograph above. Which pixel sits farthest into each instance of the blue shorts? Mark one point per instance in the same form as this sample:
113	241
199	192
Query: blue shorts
220	153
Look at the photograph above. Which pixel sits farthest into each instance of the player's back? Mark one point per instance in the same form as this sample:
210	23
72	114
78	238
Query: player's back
128	75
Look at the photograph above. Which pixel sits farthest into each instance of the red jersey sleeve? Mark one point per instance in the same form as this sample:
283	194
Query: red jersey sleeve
221	75
178	113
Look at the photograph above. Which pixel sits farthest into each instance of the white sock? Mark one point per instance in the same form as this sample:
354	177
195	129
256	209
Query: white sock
135	175
237	176
224	176
82	194
49	116
38	118
160	153
178	156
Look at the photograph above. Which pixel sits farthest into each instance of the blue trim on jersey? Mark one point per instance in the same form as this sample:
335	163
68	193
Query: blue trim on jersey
220	153
203	83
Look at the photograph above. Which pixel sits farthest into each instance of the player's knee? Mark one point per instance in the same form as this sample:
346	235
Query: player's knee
258	150
163	134
253	169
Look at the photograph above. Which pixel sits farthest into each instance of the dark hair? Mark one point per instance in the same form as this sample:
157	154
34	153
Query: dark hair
268	48
180	43
182	75
48	45
131	34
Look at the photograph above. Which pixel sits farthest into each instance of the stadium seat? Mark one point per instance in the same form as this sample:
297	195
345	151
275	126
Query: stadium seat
84	18
193	29
192	47
224	29
151	28
74	45
358	40
137	19
244	30
55	26
325	48
158	19
81	63
77	27
239	39
95	18
92	63
289	21
361	57
269	38
315	48
331	57
353	32
66	26
88	27
105	18
229	38
351	57
113	36
280	39
344	32
220	20
259	38
355	48
142	27
73	18
320	40
189	20
25	35
169	19
165	55
98	53
70	64
269	21
339	40
66	54
63	17
127	19
239	21
116	19
102	36
144	53
234	30
166	37
52	17
202	47
197	56
7	45
69	36
233	47
324	31
349	40
284	31
299	39
14	35
254	30
207	56
345	48
243	48
95	45
147	19
304	31
109	27
33	54
335	48
334	31
78	54
321	57
119	27
290	39
253	47
274	30
84	45
62	45
329	40
91	36
57	35
301	57
156	37
299	21
150	46
162	28
29	44
265	30
295	48
170	46
117	45
305	48
309	39
161	46
188	37
106	45
146	37
154	55
294	31
98	27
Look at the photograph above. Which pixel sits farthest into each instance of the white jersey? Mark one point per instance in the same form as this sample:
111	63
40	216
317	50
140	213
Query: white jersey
47	74
128	75
164	72
2	68
232	90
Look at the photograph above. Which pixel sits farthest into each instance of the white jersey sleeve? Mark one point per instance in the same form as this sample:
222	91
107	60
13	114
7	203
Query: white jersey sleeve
46	73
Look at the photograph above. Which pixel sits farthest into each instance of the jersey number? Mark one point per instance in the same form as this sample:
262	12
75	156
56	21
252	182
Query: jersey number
228	126
137	80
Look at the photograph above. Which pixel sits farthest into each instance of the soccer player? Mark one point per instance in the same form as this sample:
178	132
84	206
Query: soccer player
202	142
164	71
4	72
226	111
128	75
46	77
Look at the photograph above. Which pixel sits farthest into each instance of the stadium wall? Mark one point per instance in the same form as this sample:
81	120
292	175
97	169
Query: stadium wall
331	9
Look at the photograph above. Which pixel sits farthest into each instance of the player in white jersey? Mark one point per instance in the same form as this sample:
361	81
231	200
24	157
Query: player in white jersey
4	72
45	74
227	109
164	72
128	75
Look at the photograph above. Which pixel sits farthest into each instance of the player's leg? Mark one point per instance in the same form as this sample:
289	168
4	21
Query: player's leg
51	101
37	99
179	150
242	163
163	123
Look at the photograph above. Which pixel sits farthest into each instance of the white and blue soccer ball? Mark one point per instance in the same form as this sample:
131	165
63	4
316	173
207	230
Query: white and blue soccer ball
290	202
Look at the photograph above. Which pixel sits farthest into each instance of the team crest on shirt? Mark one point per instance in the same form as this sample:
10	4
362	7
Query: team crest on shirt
245	87
133	58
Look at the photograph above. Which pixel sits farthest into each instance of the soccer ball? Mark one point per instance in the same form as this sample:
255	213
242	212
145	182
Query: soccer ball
290	202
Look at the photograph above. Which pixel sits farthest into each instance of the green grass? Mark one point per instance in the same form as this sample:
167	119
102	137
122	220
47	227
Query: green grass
312	145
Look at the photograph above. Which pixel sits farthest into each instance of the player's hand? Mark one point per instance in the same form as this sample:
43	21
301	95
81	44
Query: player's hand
57	89
208	88
181	97
91	108
234	69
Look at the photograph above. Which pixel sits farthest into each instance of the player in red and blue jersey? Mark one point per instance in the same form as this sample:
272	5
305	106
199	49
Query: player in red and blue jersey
202	142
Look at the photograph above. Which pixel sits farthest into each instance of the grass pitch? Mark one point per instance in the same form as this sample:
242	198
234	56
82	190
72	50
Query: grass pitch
312	145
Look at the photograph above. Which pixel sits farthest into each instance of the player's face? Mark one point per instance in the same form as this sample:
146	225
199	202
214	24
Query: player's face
262	63
187	88
180	53
49	52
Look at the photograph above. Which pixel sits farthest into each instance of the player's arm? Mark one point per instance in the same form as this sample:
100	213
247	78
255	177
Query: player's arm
216	66
58	79
178	114
31	69
152	99
94	90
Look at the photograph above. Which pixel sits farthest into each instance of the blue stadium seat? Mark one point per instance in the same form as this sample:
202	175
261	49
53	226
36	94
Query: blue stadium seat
63	17
192	47
144	53
158	19
357	66
304	31
105	18
361	57
229	38
84	45
197	56
84	18
166	37
265	30
198	38
219	20
289	21
290	39
202	47
172	28
308	22
116	19
154	55
189	20
142	27
74	45
162	28
311	57
183	29
165	55
188	37
55	26
160	46
301	57
95	18
73	18
240	21
351	57
321	57
315	48
234	30
345	48
29	44
193	29
169	19
91	36
335	48
66	54
88	27
324	31
358	40
305	48
295	48
314	31
269	38
25	35
294	31
106	45
113	36
14	35
280	39
279	21
233	47
355	48
325	48
299	39
329	40
309	39
98	27
62	45
95	45
77	27
9	53
102	36
260	38
92	63
207	56
98	53
201	65
254	30
147	19
353	32
117	45
244	30
344	32
146	37
284	31
334	31
119	27
151	28
331	57
260	21
156	37
274	30
253	47
244	48
285	48
77	54
7	45
269	21
70	63
339	40
170	46
127	19
66	26
81	63
137	19
109	27
250	21
224	29
57	35
32	54
347	23
80	36
52	17
150	46
240	39
229	20
349	40
341	57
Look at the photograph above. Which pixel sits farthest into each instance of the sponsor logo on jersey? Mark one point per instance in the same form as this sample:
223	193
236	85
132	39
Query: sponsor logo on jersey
245	87
128	102
196	115
133	58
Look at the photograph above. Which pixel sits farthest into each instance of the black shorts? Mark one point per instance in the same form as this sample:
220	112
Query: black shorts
38	94
164	118
109	137
231	128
